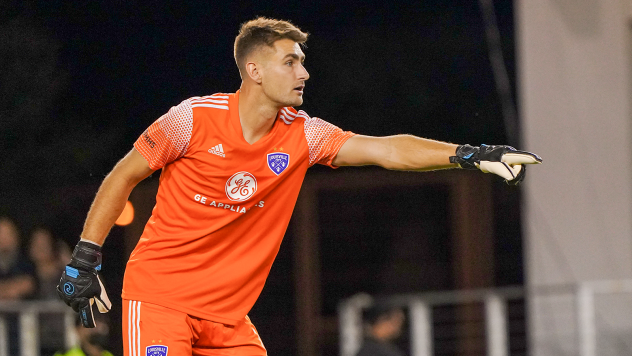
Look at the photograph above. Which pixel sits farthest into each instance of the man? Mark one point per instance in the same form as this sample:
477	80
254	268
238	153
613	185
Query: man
383	325
232	167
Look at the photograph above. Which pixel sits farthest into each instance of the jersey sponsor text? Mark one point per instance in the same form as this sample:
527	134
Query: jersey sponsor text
151	142
232	207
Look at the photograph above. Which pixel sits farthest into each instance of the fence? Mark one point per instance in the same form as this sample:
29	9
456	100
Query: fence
494	301
28	314
420	307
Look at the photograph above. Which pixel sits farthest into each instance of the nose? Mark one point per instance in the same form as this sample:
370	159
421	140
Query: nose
302	73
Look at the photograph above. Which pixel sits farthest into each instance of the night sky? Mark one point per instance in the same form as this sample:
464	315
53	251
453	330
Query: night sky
81	80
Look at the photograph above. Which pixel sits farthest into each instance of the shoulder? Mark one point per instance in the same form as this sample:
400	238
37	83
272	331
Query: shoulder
214	101
288	114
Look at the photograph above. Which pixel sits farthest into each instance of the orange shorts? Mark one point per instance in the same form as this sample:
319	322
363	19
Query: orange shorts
153	330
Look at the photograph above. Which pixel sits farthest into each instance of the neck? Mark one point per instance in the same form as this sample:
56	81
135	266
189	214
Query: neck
256	113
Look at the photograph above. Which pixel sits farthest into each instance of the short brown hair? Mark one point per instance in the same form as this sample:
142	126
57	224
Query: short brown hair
264	31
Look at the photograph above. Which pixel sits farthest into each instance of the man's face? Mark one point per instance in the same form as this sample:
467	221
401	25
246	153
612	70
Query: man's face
282	73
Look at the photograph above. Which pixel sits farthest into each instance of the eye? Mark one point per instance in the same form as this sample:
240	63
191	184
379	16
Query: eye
289	63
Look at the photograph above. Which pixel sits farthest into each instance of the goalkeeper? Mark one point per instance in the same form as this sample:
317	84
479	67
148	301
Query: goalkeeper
232	167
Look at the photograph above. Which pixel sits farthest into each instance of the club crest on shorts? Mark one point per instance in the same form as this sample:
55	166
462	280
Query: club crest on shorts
278	162
157	350
241	186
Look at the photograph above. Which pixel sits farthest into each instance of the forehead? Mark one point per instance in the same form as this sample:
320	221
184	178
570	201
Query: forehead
285	47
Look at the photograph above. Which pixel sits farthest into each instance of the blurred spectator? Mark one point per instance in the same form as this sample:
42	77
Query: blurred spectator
64	251
382	326
92	341
45	253
16	273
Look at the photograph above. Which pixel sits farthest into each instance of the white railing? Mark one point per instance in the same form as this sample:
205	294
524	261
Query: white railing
585	301
28	324
495	300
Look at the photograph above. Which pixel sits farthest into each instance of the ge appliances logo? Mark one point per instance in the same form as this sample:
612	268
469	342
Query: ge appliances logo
241	186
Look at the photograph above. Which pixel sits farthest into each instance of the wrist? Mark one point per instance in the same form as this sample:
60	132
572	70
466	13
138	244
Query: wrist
91	242
466	156
87	255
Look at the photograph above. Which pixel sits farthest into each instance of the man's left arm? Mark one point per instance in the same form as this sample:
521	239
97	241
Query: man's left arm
410	153
400	152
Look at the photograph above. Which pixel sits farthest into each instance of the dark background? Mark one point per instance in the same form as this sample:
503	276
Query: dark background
80	81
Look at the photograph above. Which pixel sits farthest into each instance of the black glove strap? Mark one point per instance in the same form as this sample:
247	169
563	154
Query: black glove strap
87	255
86	317
466	156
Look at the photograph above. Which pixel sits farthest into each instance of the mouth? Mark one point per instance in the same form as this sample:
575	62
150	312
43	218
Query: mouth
300	88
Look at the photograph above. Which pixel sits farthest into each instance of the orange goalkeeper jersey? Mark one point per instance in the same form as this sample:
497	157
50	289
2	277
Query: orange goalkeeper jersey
222	206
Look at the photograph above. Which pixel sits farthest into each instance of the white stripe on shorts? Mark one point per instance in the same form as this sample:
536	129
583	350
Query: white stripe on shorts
130	318
138	327
133	328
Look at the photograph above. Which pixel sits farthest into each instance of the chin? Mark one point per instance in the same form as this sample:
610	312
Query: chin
292	102
297	100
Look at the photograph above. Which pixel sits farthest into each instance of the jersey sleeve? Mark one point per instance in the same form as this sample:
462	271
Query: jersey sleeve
324	140
167	139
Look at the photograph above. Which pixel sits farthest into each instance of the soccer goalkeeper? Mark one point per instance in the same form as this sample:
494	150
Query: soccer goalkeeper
232	167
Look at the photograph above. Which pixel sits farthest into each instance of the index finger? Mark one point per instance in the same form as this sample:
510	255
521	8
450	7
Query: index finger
521	157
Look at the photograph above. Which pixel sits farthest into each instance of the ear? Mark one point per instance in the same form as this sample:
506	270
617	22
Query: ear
253	71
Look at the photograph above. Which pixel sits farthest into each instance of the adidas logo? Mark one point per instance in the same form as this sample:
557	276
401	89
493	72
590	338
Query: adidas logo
218	150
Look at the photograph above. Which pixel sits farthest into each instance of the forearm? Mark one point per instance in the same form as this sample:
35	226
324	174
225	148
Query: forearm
106	208
400	152
411	153
112	196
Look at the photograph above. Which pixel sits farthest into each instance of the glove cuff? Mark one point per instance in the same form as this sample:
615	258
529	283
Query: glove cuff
466	156
86	255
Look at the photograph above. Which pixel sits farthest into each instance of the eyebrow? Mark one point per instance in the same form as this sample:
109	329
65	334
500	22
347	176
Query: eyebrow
295	56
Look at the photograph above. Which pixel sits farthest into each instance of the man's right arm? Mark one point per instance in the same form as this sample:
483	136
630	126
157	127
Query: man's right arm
80	285
112	196
163	142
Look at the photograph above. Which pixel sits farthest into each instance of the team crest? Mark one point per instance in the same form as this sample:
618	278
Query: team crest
157	350
241	186
278	162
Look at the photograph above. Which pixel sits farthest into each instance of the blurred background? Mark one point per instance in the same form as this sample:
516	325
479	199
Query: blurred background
549	261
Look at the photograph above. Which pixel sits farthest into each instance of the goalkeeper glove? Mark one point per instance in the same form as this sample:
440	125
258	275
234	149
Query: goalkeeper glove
80	285
504	161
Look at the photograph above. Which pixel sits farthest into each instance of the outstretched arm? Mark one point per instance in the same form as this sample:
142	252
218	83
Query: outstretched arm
400	152
406	152
113	194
